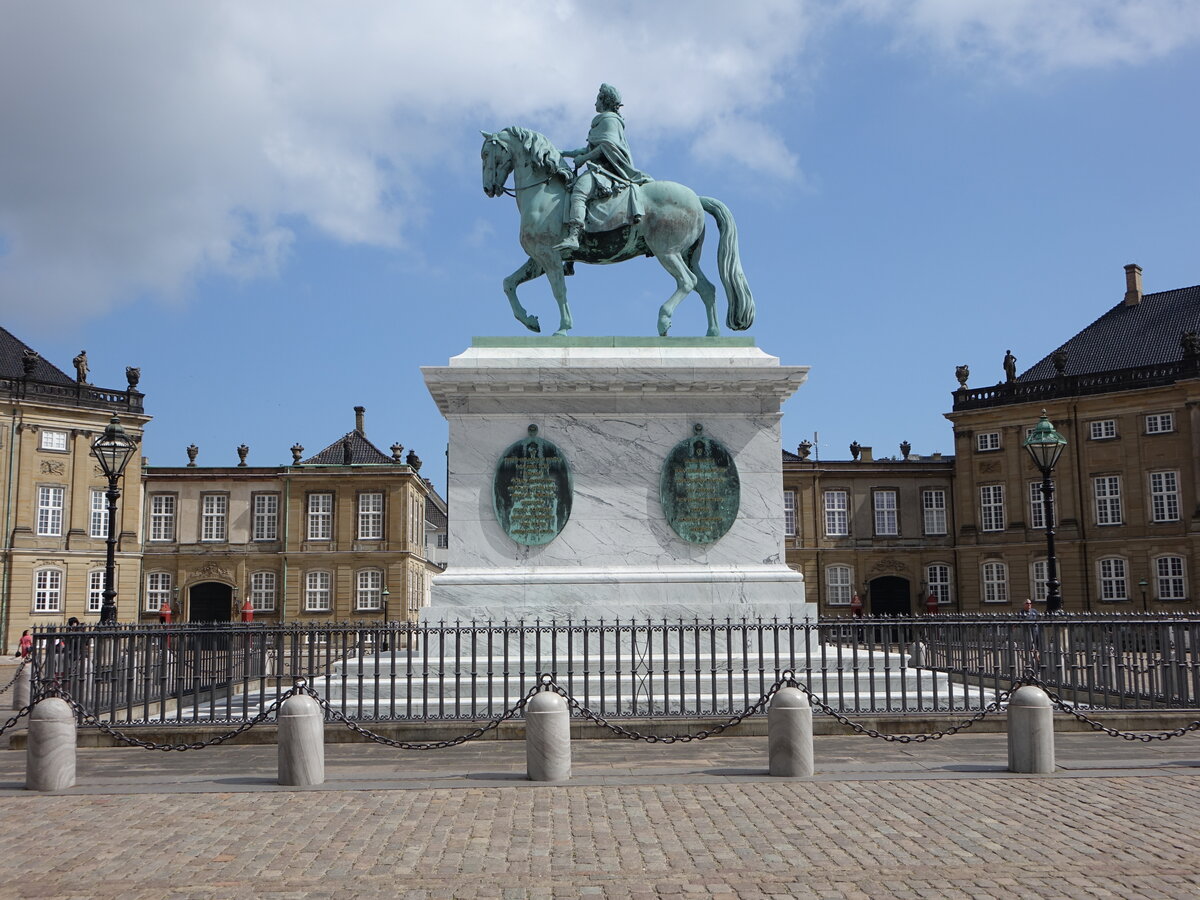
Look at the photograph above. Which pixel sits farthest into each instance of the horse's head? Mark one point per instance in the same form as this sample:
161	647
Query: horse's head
497	164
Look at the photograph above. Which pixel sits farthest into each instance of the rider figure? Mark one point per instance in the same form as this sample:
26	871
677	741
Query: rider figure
609	168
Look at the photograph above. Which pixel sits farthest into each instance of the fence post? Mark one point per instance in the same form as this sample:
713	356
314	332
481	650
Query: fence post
1030	731
790	734
547	737
20	697
301	738
50	747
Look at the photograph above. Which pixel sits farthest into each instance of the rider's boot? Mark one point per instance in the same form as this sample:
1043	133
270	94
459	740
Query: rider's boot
571	241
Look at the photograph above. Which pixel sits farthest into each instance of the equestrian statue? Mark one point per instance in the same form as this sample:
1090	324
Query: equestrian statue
603	210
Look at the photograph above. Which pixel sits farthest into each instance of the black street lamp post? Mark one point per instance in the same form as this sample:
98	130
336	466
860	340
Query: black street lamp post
1143	583
1045	445
113	449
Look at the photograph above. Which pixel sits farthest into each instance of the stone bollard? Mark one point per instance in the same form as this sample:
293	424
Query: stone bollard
547	737
916	654
1030	731
790	734
301	738
50	746
20	698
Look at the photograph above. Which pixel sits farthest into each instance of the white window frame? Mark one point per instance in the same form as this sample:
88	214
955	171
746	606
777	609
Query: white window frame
370	516
162	517
837	514
50	503
98	519
95	590
263	586
52	439
443	540
1113	575
318	591
159	587
987	441
938	581
991	507
1160	423
885	502
1106	492
265	516
839	585
994	581
48	590
933	511
789	513
1170	578
1164	496
214	518
1039	579
1037	508
368	590
320	516
1102	429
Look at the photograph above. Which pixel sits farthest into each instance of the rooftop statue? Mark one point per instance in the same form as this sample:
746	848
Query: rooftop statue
608	212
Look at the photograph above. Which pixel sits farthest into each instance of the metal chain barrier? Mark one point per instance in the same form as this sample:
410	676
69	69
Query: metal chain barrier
13	720
338	716
20	669
1145	737
995	706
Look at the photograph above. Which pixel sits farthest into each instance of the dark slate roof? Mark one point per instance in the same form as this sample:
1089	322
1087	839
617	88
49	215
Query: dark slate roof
12	350
435	513
362	452
789	456
1129	337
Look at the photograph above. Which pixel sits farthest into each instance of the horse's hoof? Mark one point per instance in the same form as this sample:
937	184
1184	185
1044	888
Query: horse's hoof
713	332
533	325
562	332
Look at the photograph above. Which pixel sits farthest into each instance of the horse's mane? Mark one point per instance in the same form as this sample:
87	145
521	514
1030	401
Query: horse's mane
541	150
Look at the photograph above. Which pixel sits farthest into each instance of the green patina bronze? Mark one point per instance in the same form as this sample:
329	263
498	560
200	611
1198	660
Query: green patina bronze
531	491
699	489
602	210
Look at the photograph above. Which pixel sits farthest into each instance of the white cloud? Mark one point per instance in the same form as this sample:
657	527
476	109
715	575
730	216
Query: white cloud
148	143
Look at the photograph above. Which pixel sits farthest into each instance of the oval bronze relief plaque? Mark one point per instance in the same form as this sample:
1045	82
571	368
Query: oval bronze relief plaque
531	491
699	489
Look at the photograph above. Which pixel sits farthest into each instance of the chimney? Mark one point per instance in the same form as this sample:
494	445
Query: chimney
359	412
867	455
1133	284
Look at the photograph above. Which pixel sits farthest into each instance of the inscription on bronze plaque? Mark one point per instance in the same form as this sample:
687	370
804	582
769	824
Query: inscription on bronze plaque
531	491
699	490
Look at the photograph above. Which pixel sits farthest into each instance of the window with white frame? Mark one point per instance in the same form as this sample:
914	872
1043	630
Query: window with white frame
1039	579
162	517
320	517
95	595
1103	429
937	577
1164	497
262	591
158	590
416	520
991	507
995	582
52	440
1107	491
265	517
987	440
98	520
837	513
789	513
50	511
443	540
1160	423
1114	585
369	591
214	511
414	600
1037	505
1168	571
839	582
886	522
47	590
370	516
933	508
318	591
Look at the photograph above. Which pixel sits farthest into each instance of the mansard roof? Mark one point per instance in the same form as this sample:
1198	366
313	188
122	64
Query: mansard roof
362	452
1126	337
12	351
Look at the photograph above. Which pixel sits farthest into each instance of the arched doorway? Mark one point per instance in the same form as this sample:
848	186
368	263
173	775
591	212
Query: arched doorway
210	601
890	595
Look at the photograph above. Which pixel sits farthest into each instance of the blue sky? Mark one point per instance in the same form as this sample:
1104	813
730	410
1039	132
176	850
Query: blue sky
275	209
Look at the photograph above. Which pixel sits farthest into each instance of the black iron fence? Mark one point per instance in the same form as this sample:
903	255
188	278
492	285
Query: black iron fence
229	673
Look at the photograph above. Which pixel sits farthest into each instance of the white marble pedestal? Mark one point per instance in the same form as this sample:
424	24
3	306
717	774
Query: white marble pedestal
615	407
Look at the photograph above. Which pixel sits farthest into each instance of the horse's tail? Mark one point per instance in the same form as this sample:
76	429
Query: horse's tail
729	264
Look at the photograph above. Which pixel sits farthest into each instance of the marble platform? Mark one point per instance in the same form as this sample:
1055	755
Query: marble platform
615	407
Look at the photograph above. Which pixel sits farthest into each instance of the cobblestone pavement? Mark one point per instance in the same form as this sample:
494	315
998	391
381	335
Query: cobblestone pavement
945	822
